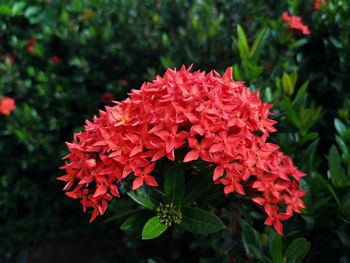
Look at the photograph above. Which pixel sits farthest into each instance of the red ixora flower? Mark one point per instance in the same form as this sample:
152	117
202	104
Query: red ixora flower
296	23
210	117
30	44
7	105
55	59
319	3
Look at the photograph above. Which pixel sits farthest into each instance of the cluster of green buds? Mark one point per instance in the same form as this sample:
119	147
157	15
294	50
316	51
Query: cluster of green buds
169	214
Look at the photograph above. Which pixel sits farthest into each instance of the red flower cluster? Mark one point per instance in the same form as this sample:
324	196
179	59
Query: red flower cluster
212	118
319	3
7	105
296	23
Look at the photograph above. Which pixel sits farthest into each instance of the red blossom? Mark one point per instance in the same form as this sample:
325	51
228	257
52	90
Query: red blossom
55	59
30	44
7	105
319	3
296	23
210	117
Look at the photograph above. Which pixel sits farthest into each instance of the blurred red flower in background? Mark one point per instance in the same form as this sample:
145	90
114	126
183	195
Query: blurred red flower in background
296	23
56	59
319	3
123	82
7	105
30	44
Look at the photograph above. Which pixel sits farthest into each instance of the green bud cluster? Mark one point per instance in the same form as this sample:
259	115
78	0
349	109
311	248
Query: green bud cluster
169	214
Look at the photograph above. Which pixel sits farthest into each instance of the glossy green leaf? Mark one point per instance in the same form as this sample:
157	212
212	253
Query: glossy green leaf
174	185
325	184
242	43
18	7
300	94
276	248
343	147
250	237
337	175
32	11
237	74
257	45
297	250
197	186
135	223
287	84
153	228
199	221
122	208
339	126
141	199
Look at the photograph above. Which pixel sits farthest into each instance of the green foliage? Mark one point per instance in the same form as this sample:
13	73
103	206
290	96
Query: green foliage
153	228
174	185
200	222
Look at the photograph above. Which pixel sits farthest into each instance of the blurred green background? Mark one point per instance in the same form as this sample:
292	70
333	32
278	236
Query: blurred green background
62	61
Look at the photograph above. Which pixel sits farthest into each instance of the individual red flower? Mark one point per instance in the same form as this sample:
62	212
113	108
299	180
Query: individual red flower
208	117
319	3
55	59
296	23
30	44
274	218
8	56
7	105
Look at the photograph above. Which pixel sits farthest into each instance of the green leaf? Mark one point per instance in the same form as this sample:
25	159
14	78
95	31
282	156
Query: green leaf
123	207
197	186
336	172
18	7
237	74
242	43
250	237
199	221
339	126
153	228
135	222
309	156
300	94
328	187
5	10
290	112
174	185
257	45
287	84
343	147
32	11
276	248
297	250
141	199
293	77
